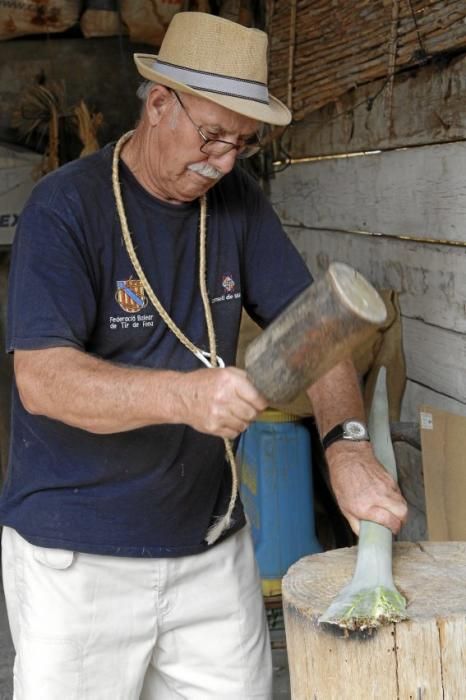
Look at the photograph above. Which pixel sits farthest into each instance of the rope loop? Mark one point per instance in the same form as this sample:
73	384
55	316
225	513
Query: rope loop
209	359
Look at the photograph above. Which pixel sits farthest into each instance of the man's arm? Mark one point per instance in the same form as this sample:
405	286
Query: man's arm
86	392
362	487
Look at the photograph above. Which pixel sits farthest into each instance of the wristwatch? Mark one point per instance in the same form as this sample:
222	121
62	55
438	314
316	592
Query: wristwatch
352	429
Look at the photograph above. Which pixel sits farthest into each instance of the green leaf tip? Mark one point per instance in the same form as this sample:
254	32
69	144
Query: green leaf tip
366	609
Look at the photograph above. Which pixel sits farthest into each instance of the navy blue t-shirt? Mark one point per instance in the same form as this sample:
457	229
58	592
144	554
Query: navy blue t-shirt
153	491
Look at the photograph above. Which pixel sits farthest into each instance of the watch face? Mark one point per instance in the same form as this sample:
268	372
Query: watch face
355	430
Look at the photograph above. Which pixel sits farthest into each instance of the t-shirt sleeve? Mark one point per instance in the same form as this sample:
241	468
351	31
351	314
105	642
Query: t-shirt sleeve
51	299
274	272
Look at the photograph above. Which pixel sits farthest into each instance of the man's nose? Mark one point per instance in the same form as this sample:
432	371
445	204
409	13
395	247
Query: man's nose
224	162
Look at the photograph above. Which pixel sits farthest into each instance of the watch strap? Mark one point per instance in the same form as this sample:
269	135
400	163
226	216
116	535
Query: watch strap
336	433
339	432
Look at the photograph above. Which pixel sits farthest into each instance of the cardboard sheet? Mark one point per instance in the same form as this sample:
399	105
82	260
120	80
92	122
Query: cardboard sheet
443	441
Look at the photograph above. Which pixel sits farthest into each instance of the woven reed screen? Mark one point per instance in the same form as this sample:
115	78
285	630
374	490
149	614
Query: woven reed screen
320	49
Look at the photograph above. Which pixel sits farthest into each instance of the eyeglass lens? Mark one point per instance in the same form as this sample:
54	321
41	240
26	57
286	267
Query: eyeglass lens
218	147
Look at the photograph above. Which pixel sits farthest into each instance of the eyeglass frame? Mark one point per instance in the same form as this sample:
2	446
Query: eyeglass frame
249	150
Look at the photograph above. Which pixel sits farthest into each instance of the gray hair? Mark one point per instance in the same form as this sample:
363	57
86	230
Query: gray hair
144	89
143	93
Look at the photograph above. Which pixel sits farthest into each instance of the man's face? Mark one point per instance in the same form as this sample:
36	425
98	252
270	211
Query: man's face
179	170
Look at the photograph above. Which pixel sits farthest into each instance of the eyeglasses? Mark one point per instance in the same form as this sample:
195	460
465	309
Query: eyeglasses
218	147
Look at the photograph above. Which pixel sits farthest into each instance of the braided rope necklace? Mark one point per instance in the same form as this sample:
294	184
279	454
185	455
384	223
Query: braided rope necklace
224	521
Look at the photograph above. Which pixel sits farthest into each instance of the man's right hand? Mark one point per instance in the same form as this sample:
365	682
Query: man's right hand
220	402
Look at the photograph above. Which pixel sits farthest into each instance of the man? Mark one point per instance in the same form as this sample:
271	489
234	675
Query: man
130	271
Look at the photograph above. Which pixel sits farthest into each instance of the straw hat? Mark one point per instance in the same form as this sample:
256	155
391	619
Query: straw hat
218	60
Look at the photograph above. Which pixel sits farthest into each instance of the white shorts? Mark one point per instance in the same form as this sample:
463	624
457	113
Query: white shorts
92	627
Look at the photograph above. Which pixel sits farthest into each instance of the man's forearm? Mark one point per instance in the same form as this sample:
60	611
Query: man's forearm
93	394
96	395
363	488
337	397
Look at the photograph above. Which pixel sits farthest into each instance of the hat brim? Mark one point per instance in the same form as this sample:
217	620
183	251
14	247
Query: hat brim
275	112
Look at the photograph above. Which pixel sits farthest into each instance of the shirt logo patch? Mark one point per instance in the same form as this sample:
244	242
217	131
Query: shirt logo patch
228	283
131	295
229	287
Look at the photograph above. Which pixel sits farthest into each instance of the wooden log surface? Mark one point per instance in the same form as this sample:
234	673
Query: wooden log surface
422	658
323	325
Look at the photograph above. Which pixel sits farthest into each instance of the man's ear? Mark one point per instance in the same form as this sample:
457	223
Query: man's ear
159	100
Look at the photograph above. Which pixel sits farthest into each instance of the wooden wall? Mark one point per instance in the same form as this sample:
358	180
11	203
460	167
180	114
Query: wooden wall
321	49
398	215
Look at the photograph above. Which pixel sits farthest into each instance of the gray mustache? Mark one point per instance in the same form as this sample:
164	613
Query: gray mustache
206	170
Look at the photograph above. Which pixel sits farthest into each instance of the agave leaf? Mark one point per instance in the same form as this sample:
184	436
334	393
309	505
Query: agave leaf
371	598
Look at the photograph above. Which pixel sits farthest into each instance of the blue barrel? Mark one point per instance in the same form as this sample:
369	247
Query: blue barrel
275	462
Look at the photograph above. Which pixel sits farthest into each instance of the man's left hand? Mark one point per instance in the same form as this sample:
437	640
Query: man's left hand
363	488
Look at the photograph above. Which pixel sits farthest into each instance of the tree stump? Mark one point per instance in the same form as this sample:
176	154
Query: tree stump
422	658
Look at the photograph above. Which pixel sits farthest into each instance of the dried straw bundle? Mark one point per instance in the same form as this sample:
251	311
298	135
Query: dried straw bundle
87	124
42	116
38	116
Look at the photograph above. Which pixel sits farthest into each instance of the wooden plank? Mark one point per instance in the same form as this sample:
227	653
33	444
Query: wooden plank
435	358
430	279
415	395
435	94
417	192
